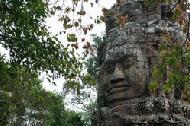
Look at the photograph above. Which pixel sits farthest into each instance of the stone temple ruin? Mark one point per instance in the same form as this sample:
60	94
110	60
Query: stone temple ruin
126	60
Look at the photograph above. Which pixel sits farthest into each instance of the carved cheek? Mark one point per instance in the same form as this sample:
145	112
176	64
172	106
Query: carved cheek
106	71
142	77
131	74
105	77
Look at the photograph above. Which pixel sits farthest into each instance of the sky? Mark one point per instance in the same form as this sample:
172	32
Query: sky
98	29
56	26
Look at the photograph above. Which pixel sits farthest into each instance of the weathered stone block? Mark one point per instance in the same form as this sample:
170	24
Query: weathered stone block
127	58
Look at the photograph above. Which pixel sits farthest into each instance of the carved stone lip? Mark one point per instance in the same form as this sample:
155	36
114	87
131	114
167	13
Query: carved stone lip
119	82
119	89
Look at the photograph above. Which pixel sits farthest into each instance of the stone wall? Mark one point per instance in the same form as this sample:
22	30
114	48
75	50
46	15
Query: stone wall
127	57
152	111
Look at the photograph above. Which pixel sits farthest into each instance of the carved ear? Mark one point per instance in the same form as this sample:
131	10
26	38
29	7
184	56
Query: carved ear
101	53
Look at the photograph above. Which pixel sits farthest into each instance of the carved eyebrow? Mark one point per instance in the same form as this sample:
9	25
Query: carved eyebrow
128	56
110	61
120	58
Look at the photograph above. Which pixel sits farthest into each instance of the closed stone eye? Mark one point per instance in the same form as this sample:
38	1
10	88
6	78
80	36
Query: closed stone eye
109	67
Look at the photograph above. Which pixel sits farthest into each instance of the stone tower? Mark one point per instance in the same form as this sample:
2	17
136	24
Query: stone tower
126	59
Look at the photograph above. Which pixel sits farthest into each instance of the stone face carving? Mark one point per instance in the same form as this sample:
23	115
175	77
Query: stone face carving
125	69
127	57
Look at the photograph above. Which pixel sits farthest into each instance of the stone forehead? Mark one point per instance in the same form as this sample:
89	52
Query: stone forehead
122	42
132	33
118	52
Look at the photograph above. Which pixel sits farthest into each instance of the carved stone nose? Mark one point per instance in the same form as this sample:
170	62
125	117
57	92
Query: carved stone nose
118	74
